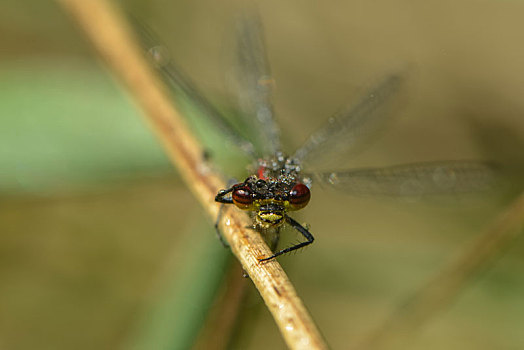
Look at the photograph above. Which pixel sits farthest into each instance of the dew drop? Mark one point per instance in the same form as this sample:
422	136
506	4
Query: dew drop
333	179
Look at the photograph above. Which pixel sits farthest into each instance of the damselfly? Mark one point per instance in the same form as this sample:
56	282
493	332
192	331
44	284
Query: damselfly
278	183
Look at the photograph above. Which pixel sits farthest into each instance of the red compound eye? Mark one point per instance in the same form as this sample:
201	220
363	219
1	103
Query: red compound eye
242	197
299	196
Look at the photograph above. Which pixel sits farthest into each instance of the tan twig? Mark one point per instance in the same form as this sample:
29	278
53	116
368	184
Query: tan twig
109	33
448	283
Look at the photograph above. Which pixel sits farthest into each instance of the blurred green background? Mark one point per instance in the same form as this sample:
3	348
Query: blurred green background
94	222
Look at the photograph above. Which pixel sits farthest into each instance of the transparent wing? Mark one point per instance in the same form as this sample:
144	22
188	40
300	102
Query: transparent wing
412	179
352	125
253	81
180	84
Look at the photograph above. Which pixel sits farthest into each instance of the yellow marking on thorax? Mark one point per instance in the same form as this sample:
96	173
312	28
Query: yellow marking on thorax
267	220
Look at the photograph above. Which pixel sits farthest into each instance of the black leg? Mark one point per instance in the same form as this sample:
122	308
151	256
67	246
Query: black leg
221	198
300	229
219	217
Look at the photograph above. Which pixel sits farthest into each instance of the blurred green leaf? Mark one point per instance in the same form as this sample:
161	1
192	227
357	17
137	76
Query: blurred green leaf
178	310
66	123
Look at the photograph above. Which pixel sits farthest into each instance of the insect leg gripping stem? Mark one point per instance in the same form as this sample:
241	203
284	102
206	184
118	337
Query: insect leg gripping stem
300	229
220	197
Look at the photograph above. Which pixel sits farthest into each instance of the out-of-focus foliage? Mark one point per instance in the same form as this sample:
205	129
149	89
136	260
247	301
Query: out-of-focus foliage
53	137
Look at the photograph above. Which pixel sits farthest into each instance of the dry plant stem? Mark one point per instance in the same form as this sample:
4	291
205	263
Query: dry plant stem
441	290
108	32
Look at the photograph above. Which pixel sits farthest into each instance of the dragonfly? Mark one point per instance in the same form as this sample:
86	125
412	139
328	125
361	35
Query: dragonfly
280	183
